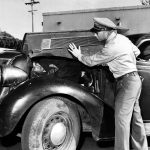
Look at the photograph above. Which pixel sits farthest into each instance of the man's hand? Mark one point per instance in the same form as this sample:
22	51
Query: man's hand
74	50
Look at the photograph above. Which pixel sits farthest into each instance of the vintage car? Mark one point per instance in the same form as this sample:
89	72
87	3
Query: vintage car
48	97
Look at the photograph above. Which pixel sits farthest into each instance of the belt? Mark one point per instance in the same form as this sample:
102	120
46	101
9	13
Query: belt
134	73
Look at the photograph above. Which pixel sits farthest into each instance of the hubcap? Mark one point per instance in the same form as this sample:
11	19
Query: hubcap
58	133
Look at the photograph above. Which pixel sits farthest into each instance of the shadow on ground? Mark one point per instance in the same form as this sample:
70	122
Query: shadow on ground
86	143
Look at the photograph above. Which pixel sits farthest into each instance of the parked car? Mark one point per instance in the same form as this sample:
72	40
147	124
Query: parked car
7	54
49	97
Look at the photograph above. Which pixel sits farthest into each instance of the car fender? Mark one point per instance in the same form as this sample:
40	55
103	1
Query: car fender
19	100
143	41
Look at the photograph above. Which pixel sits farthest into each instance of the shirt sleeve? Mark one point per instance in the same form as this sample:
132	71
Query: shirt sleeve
135	50
101	57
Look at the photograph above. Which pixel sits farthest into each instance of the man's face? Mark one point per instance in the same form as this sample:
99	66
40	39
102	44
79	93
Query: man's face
102	35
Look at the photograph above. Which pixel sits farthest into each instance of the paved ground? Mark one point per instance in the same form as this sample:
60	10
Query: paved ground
87	143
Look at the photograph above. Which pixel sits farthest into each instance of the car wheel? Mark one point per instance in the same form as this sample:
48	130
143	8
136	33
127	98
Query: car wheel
52	124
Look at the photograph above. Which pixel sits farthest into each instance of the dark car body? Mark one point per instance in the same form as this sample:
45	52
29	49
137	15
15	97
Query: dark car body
7	54
46	68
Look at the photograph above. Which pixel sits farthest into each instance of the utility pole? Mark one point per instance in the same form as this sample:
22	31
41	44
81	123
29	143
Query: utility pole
32	3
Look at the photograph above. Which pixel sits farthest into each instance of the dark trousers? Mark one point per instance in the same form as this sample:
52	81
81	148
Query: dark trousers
127	107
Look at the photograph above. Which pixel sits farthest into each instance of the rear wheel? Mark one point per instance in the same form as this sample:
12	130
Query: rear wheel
52	124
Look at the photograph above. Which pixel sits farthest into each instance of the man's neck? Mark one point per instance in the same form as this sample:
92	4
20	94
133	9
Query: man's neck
111	36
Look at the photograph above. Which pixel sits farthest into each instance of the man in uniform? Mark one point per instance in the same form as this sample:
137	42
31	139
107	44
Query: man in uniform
119	53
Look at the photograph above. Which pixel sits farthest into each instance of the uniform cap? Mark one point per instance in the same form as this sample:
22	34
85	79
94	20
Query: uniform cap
101	23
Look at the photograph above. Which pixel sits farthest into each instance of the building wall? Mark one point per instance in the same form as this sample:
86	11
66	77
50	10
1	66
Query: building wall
136	18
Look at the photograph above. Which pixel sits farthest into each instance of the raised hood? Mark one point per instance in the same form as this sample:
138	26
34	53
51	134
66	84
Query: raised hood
56	43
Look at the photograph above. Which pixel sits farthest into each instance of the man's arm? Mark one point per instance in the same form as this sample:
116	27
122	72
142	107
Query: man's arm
96	59
135	50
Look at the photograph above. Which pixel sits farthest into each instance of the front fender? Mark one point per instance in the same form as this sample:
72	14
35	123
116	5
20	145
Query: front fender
18	101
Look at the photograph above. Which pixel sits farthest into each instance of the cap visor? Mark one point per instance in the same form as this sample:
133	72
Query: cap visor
121	29
93	30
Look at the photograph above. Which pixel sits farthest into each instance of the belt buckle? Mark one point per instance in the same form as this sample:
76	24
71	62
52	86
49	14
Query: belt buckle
128	74
134	73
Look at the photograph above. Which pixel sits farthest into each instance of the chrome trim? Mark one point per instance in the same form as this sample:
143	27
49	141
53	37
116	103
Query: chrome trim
141	42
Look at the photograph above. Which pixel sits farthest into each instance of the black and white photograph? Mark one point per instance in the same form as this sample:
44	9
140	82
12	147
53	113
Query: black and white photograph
74	74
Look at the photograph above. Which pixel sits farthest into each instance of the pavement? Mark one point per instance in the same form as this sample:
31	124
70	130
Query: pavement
86	143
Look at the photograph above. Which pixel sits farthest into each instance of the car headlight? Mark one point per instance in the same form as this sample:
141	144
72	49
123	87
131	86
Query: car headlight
11	75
